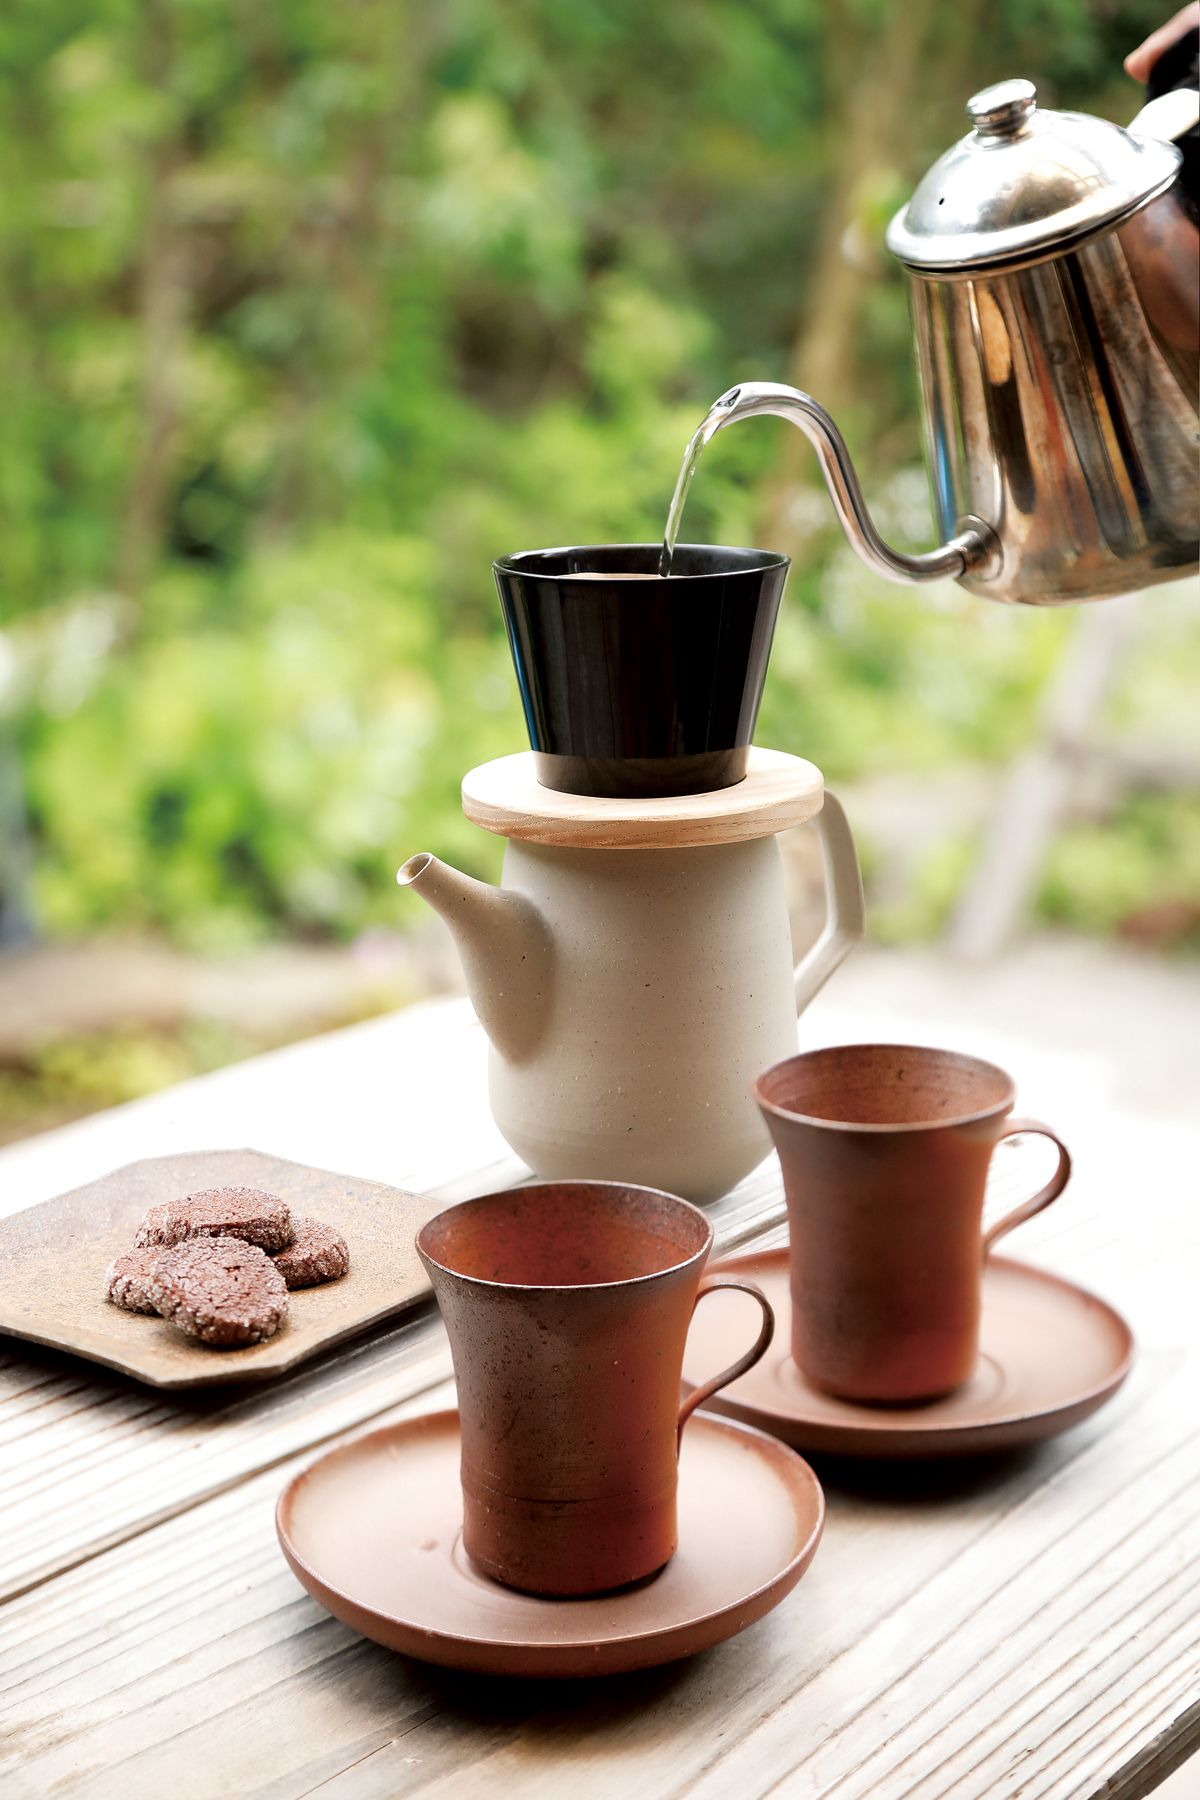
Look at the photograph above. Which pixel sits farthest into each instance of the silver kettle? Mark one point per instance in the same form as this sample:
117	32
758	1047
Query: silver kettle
1053	264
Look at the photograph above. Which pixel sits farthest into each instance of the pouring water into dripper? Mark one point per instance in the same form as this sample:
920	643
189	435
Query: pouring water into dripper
1052	262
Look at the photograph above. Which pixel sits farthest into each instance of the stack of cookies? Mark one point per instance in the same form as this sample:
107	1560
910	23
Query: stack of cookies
218	1264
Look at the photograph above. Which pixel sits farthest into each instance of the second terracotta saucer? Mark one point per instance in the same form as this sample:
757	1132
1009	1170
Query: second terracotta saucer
1050	1354
373	1531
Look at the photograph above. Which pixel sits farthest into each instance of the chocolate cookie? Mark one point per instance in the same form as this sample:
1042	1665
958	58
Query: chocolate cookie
232	1212
220	1290
127	1283
318	1254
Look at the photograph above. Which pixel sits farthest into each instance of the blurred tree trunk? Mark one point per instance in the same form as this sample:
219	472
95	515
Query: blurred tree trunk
16	919
163	310
878	83
342	257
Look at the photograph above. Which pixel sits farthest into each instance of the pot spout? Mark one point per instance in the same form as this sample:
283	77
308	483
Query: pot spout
503	944
974	546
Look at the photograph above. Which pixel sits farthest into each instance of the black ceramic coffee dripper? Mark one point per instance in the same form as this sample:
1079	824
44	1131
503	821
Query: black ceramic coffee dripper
634	685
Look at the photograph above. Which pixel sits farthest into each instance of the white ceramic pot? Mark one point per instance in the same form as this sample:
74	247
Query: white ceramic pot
632	995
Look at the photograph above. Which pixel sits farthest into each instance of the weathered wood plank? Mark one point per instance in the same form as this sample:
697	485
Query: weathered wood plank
958	1633
1014	1630
96	1474
993	1629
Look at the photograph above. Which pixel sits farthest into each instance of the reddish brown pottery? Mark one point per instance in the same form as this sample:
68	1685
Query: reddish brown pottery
567	1305
885	1151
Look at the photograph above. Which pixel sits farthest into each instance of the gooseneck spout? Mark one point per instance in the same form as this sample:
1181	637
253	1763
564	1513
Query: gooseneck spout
973	546
504	945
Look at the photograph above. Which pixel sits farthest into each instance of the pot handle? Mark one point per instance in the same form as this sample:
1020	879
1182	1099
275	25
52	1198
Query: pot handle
844	915
708	1388
1043	1197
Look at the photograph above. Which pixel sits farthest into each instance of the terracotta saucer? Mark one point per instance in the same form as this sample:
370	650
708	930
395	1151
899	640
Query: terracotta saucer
1050	1354
372	1530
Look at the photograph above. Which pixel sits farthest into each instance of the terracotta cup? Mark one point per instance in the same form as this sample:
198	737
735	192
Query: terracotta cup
567	1304
885	1151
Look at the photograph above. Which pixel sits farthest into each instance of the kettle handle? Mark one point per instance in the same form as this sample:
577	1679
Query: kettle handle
844	910
1172	105
1168	116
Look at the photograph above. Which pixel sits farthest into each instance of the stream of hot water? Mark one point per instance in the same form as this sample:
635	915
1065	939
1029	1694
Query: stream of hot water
703	434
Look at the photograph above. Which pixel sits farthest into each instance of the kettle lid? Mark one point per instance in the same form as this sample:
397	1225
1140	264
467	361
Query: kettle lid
1025	182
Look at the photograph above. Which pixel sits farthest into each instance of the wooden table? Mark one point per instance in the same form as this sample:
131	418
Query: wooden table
1027	1627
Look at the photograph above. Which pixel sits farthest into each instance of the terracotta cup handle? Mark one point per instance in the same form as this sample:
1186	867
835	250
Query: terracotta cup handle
1043	1197
757	1349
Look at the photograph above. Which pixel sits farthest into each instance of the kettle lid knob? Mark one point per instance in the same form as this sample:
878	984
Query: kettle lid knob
1001	111
1028	182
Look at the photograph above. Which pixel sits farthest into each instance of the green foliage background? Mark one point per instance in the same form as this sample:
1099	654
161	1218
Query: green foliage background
309	311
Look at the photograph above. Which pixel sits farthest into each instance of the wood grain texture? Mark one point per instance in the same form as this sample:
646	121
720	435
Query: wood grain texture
1017	1629
956	1634
778	792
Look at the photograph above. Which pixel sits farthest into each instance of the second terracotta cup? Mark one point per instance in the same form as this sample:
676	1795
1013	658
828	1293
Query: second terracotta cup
567	1305
885	1151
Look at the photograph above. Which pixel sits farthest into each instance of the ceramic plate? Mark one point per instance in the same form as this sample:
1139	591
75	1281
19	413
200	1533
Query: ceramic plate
373	1532
1050	1354
53	1260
